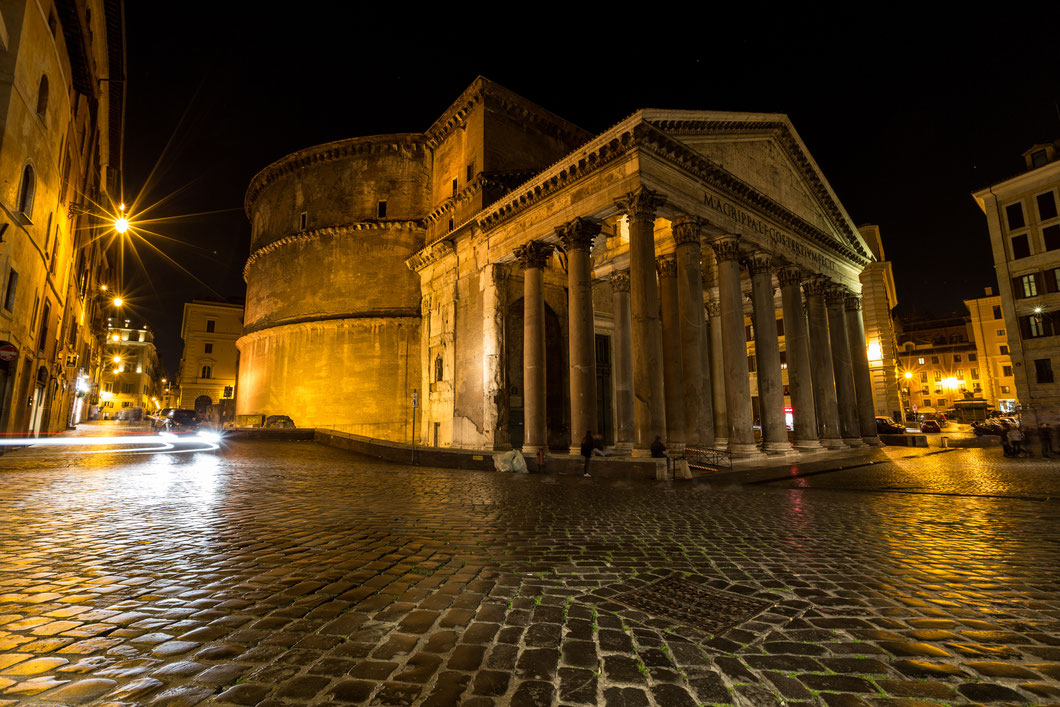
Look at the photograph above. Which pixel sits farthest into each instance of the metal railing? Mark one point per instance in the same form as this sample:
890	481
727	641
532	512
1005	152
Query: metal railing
707	459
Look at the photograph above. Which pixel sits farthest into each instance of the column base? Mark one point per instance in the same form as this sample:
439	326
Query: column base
622	449
742	450
833	443
641	453
675	447
872	441
808	445
777	448
721	443
534	449
853	442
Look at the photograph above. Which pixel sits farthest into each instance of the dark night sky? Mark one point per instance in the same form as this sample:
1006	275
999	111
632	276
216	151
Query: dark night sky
904	121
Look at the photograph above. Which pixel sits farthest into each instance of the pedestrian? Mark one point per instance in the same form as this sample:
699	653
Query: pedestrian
599	448
658	449
1045	438
1015	438
587	449
1006	446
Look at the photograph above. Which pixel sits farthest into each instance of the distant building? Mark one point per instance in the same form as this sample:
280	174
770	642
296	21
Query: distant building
1023	218
939	362
210	361
879	298
130	374
991	343
62	68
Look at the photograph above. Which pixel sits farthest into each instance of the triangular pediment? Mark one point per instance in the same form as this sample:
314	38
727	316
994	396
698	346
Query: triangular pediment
763	151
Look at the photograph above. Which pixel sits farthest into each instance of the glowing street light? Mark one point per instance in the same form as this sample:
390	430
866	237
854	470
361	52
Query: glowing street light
116	359
118	301
908	374
121	224
115	337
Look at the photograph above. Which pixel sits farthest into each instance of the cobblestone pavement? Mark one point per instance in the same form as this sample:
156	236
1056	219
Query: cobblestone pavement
289	573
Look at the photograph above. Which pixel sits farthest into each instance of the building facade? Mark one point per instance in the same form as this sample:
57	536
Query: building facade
131	372
210	361
1023	219
939	362
61	107
992	346
879	298
507	279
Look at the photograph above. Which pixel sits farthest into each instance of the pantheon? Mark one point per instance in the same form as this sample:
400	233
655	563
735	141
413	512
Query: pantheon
507	279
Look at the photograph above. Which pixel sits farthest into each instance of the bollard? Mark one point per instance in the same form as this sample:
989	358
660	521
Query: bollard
945	442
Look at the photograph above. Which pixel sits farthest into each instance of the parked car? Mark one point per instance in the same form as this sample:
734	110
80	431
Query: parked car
887	426
930	426
180	421
987	427
158	419
130	414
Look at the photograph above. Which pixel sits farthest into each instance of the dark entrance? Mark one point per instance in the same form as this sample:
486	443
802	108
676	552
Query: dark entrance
202	404
557	406
603	387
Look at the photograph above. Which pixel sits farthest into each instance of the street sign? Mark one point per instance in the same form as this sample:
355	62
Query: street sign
415	400
8	352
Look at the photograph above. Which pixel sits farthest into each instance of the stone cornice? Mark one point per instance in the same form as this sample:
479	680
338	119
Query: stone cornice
430	255
401	142
324	232
327	321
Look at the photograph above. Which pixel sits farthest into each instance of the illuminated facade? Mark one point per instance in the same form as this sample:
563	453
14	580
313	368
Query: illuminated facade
210	360
992	346
880	297
131	372
61	103
1023	219
525	281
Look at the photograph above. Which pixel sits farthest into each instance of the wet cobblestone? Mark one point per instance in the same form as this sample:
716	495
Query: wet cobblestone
289	573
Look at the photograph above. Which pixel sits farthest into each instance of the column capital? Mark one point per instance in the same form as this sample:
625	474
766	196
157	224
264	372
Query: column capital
726	247
713	307
641	204
620	281
852	303
789	275
534	254
817	285
836	295
758	262
667	266
579	234
687	230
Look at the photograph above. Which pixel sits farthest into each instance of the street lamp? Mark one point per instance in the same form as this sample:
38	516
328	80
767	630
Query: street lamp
118	301
121	223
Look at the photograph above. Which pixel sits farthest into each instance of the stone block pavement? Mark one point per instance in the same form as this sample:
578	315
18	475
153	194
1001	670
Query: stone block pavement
288	573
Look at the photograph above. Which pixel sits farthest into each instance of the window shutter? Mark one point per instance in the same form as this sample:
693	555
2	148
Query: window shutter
1025	327
1039	281
1050	281
1017	288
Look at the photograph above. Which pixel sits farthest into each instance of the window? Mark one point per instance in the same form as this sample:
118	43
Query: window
1038	159
42	98
1035	328
208	348
455	186
381	209
126	388
1004	389
303	221
920	360
1006	371
470	170
1000	332
1027	285
784	360
923	377
924	391
749	332
44	326
1046	206
108	387
972	357
438	370
12	288
25	191
1043	369
942	402
959	374
935	359
1020	247
1053	282
751	364
1051	236
975	374
206	372
450	224
997	311
956	358
126	404
209	325
938	375
780	327
1004	350
1014	213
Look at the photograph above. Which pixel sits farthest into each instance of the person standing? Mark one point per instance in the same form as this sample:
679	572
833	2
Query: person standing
1045	438
1015	438
587	449
1006	446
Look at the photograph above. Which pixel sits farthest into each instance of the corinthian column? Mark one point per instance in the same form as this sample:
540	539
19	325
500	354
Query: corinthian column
823	379
623	363
842	368
495	399
717	377
767	350
671	332
862	378
734	348
578	236
533	257
691	323
797	344
648	411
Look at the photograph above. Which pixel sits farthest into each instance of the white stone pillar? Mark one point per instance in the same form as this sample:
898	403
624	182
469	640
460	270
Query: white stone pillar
842	367
717	377
821	350
648	406
797	344
533	256
622	349
862	377
578	237
494	283
691	324
673	376
767	351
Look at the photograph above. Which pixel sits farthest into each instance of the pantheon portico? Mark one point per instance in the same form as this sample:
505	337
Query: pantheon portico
688	275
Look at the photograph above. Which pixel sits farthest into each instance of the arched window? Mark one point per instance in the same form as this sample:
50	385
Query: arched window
438	369
42	97
26	190
205	372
